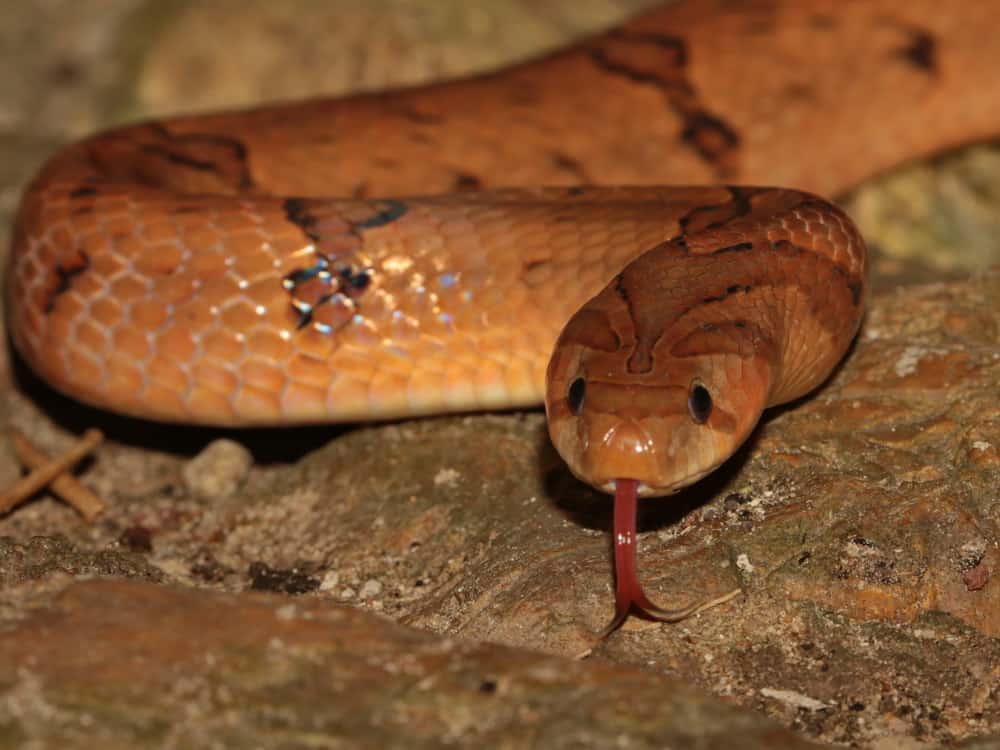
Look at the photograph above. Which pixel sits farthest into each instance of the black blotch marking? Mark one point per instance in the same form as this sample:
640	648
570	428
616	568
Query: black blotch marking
305	316
921	52
302	275
465	182
83	192
340	279
64	279
739	247
576	191
357	280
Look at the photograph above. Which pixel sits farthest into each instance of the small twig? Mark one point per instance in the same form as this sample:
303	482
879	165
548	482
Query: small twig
86	503
40	477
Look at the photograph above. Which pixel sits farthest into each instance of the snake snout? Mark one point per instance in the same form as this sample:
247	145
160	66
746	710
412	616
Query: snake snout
623	449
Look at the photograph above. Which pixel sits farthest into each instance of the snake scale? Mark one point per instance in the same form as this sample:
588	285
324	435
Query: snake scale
197	269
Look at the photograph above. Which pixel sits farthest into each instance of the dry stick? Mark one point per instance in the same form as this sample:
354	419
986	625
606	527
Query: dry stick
86	503
28	485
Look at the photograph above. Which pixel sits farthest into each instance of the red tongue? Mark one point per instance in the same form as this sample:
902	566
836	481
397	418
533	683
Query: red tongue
628	591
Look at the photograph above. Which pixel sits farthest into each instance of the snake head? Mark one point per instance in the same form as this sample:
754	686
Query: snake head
660	393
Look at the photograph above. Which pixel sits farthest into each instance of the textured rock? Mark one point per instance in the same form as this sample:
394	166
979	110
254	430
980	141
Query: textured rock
150	666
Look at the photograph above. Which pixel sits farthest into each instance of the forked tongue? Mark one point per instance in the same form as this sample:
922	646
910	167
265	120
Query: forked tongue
629	595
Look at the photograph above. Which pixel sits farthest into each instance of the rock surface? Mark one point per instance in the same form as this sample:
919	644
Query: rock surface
862	524
137	665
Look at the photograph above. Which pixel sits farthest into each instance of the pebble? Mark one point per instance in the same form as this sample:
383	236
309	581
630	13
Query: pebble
218	471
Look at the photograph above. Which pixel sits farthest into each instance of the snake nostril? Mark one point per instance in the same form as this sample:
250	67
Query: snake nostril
577	390
699	403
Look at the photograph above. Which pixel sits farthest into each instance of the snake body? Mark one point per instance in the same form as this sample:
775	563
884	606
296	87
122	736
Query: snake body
195	270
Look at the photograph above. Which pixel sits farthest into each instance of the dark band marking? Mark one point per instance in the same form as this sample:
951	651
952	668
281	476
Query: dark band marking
600	57
179	159
224	156
621	290
921	52
822	21
567	163
739	247
725	280
393	210
418	117
857	289
83	192
730	290
297	212
853	283
715	141
715	215
710	136
671	44
641	358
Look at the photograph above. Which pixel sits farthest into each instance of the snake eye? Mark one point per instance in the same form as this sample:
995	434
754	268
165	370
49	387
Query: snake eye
577	390
699	403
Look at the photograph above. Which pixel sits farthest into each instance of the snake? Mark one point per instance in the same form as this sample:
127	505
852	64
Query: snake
584	229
